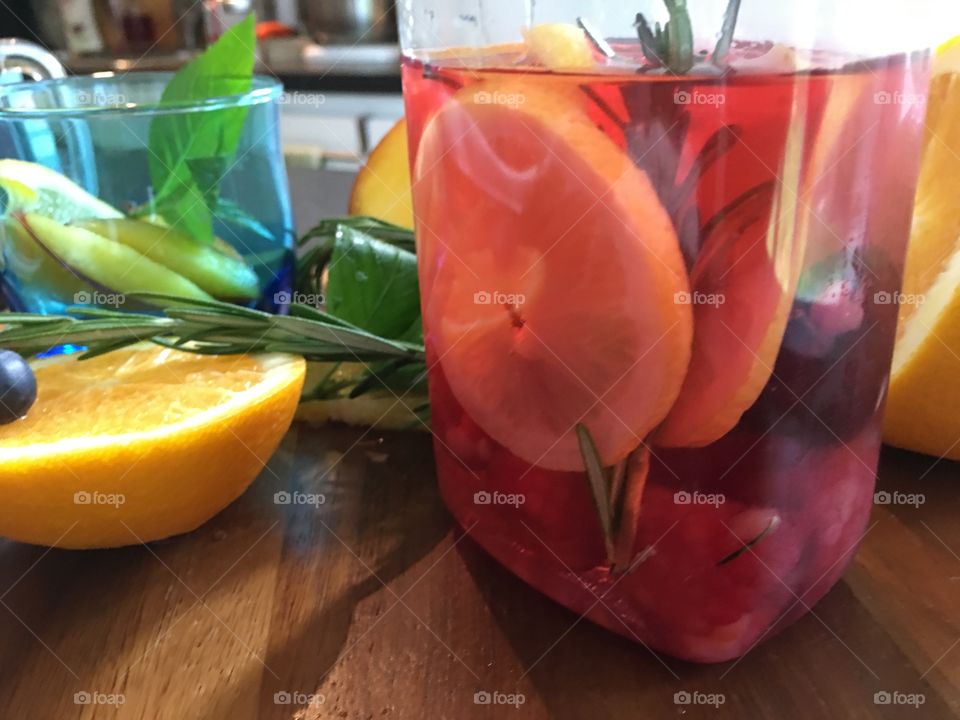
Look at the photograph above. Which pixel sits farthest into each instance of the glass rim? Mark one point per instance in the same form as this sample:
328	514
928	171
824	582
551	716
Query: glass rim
264	89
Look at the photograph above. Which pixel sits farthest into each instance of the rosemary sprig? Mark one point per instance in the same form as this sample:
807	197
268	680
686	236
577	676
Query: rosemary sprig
671	46
204	327
383	231
726	34
599	487
771	526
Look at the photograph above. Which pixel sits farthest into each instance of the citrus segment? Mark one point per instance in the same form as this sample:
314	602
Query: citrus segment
559	46
744	283
736	338
48	193
140	444
924	393
102	261
382	187
207	266
549	272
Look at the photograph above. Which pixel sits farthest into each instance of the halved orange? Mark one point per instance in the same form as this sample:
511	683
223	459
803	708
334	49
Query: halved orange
550	272
140	444
382	187
924	383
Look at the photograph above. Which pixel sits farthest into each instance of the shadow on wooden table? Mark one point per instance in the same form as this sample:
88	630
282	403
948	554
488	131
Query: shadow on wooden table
256	602
381	516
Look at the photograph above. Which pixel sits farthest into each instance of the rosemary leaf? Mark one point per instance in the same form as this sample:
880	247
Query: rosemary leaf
771	526
726	33
598	486
205	327
679	33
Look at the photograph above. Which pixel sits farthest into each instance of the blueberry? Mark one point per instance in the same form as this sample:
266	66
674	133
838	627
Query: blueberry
18	387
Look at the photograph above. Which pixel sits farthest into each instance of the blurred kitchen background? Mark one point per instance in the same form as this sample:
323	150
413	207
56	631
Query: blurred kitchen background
339	62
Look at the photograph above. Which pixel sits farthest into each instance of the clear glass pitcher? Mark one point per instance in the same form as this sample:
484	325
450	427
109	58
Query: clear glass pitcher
656	248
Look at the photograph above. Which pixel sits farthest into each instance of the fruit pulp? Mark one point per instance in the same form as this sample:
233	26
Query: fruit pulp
788	193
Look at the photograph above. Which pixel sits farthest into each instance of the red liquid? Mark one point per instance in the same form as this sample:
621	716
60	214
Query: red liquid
729	541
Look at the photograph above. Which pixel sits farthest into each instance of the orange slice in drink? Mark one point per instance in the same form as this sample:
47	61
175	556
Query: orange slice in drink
550	275
744	280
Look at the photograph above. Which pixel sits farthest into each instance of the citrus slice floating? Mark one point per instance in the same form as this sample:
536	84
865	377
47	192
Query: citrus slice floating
737	333
140	444
924	387
31	187
550	272
744	281
559	46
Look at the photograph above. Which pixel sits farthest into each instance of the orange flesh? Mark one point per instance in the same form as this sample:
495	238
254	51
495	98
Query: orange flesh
547	216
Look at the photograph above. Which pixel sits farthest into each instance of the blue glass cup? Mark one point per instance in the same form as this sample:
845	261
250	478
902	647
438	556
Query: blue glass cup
96	131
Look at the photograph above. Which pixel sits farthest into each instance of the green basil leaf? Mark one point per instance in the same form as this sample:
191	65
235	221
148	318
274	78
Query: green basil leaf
190	152
373	285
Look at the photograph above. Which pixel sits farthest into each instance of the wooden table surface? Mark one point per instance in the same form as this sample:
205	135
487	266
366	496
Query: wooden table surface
372	605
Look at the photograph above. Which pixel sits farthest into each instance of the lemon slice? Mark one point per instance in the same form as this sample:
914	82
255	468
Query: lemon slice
31	187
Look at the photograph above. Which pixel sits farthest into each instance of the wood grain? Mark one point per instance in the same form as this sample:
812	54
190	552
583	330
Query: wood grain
372	605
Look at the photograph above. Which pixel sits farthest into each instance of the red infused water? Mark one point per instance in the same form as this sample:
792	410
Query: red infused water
686	282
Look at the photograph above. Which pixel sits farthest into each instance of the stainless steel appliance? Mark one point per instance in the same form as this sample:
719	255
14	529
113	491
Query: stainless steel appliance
349	21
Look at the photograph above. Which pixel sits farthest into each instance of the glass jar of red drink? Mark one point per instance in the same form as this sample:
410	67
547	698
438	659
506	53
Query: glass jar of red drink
657	263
